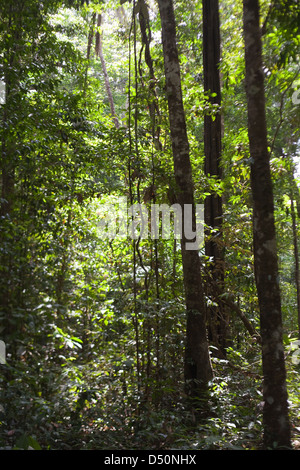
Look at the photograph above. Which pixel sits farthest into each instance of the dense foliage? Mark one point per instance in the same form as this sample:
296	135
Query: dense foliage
94	327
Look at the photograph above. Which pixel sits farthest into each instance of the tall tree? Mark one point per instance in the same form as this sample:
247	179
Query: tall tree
275	410
99	53
294	191
14	55
212	149
198	369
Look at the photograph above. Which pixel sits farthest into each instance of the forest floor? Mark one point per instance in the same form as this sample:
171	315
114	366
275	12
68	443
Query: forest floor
230	419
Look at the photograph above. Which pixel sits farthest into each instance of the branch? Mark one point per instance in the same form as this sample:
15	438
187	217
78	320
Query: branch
265	23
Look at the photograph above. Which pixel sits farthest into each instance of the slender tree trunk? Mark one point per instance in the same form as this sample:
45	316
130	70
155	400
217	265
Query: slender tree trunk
295	212
275	410
8	137
88	52
151	82
197	362
8	164
212	148
99	53
296	254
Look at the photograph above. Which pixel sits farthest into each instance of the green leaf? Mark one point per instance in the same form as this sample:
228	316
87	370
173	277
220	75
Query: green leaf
27	443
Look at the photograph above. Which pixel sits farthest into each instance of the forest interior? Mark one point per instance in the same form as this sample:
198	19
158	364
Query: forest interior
150	225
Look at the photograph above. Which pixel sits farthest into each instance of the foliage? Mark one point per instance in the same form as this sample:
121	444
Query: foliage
95	328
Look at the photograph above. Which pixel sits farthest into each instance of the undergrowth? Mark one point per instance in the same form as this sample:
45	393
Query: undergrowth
81	408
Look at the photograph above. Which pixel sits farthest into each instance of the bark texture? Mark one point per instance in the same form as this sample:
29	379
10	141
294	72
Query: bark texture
213	150
197	362
275	410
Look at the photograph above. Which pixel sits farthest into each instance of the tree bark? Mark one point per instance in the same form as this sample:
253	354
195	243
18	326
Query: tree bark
213	210
275	409
198	369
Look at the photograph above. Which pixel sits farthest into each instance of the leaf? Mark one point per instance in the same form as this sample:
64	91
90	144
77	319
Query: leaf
27	443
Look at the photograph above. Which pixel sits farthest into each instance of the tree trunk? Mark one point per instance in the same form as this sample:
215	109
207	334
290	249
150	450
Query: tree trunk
152	97
88	52
99	53
275	410
8	164
212	148
296	254
197	362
